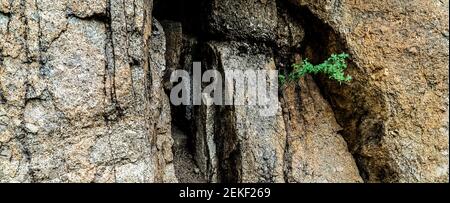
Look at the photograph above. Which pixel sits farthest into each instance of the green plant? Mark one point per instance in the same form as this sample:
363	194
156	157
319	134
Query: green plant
282	79
334	67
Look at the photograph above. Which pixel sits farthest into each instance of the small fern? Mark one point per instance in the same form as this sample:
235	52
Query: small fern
334	67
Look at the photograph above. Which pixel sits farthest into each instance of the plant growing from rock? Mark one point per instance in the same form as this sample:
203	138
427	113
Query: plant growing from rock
334	67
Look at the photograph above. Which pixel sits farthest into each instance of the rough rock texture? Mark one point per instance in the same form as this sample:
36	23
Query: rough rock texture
185	166
315	152
235	143
251	146
289	32
77	103
160	106
205	143
242	19
395	112
255	148
303	147
174	42
84	83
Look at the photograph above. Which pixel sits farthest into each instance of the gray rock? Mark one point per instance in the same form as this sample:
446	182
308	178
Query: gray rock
205	143
395	111
75	101
315	151
243	19
251	147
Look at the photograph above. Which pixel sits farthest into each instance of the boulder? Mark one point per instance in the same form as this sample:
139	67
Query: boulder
395	111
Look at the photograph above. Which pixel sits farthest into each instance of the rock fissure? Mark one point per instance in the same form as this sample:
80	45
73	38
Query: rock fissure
84	88
281	162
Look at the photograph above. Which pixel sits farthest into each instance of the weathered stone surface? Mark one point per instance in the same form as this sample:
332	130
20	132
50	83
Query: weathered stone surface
76	103
205	143
316	152
243	19
251	146
289	32
395	112
306	147
174	42
160	107
88	8
82	91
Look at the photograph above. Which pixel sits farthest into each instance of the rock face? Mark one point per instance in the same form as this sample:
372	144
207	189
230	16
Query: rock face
84	84
242	19
206	154
77	103
255	148
395	112
251	146
316	152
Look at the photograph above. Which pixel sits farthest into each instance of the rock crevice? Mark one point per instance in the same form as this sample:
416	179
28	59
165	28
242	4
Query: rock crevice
84	88
234	143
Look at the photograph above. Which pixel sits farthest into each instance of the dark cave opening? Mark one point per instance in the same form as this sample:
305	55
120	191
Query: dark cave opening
190	13
181	21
